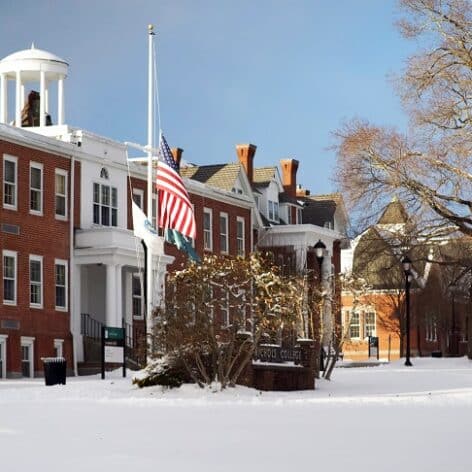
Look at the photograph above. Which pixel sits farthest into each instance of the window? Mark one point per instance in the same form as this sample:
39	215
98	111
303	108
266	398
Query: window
36	188
105	205
61	194
138	197
10	182
240	235
273	211
225	309
59	347
369	324
36	281
354	325
431	332
207	239
299	216
3	355
60	275
136	289
9	277
224	233
27	356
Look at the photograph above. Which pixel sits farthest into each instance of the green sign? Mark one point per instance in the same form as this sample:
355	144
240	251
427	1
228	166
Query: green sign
114	333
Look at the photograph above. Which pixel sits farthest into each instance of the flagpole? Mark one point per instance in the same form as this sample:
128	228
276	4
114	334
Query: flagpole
150	145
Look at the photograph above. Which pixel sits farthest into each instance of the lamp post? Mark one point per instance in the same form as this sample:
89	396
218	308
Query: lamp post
319	254
453	342
406	262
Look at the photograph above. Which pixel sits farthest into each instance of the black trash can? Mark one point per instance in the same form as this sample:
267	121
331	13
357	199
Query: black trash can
54	370
436	354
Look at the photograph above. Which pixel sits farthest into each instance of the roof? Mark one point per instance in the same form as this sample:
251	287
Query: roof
263	176
222	176
394	213
320	209
286	198
33	53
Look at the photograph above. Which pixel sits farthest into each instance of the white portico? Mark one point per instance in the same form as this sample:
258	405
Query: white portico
32	65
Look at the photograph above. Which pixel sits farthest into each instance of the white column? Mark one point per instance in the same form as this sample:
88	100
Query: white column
42	101
22	96
60	101
3	98
119	296
111	295
18	99
46	97
76	312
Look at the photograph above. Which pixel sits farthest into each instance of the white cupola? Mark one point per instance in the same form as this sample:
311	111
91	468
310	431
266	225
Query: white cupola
32	65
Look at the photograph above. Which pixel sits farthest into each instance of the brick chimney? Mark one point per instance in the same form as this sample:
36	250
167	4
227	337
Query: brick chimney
289	176
177	154
245	154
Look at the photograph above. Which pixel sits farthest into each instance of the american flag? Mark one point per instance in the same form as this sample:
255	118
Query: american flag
175	209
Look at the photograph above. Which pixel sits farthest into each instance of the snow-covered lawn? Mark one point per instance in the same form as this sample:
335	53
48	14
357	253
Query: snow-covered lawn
388	418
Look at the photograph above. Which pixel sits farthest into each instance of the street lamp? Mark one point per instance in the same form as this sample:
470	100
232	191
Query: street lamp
319	254
406	263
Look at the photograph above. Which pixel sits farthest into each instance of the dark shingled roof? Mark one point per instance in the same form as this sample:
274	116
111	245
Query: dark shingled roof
286	198
222	176
320	209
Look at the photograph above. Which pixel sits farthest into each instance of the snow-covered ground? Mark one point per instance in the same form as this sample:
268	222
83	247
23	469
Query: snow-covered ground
387	418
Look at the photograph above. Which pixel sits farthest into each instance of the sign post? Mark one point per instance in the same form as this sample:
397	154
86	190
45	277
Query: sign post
113	347
374	347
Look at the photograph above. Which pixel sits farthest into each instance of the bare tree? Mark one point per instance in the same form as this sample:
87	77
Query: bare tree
430	168
217	312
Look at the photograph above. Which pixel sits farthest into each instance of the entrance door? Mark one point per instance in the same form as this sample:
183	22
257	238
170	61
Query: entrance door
26	361
2	356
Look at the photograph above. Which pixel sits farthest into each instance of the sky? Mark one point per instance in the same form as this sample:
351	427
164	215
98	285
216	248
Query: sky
282	75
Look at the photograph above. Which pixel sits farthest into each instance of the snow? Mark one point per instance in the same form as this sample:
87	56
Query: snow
384	418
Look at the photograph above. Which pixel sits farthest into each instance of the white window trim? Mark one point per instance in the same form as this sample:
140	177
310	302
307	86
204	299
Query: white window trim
299	216
351	313
13	254
364	322
135	275
64	263
39	259
225	216
225	316
208	211
275	214
240	219
66	184
59	346
28	341
101	205
3	348
14	159
40	167
140	193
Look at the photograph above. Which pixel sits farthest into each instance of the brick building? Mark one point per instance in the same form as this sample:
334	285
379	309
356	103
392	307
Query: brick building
70	262
439	301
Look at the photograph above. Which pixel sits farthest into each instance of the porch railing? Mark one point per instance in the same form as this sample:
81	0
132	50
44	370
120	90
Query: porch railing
90	327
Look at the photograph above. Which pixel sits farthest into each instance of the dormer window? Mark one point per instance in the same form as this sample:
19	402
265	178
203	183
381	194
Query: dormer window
299	216
273	211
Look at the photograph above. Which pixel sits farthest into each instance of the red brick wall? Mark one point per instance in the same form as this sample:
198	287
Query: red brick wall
39	235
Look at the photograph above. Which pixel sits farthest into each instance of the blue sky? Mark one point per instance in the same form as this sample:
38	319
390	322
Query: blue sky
280	74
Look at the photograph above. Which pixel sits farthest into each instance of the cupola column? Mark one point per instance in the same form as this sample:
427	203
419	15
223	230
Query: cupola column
18	99
42	98
3	98
60	101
